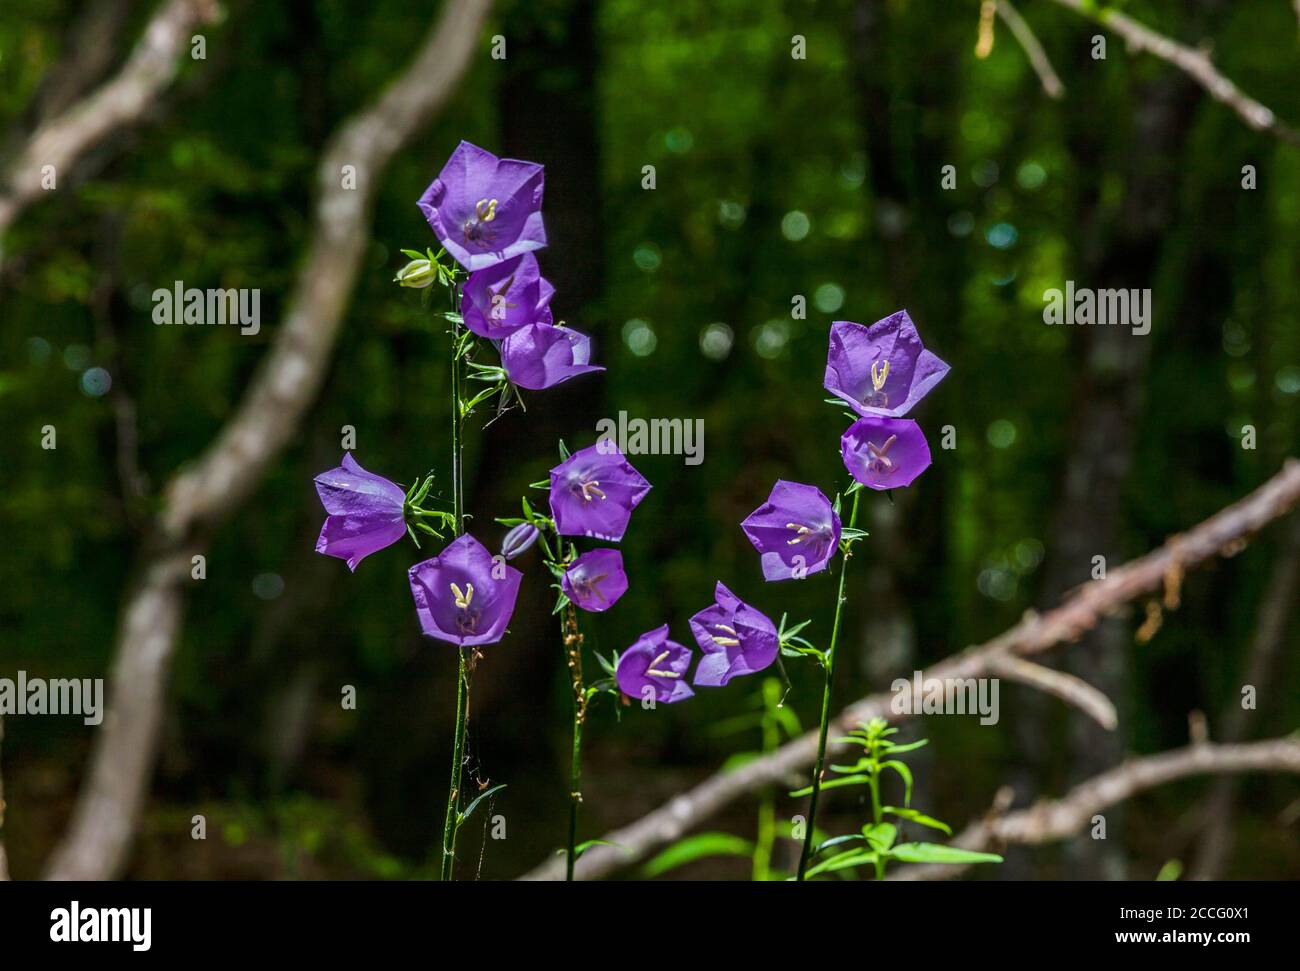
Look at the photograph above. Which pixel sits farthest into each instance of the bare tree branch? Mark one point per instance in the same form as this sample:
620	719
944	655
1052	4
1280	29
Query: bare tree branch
1072	690
1038	59
1277	605
200	497
1223	534
1055	819
1192	61
61	141
88	53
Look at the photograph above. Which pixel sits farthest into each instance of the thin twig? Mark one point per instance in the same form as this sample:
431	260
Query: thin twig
1223	534
1055	819
1038	59
1193	61
1070	689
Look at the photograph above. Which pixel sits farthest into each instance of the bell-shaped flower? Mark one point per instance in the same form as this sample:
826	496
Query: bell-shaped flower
885	453
654	668
464	595
735	638
594	491
796	531
541	356
595	580
485	209
500	299
365	512
519	540
882	369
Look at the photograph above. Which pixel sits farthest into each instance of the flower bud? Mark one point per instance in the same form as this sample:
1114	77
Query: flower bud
519	539
417	274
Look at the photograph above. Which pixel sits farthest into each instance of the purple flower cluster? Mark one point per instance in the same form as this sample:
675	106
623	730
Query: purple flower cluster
882	371
487	213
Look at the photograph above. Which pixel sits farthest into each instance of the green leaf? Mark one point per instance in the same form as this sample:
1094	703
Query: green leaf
934	853
788	720
415	254
561	602
849	858
1172	870
838	841
849	780
787	633
564	450
906	773
736	760
862	765
540	484
508	521
478	799
609	665
912	816
893	749
880	837
583	847
696	847
850	534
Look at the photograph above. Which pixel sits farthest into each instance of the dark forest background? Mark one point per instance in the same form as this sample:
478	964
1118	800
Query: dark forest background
776	177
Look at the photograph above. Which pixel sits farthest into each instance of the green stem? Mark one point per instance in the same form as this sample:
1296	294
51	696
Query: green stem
572	641
877	815
762	869
829	665
450	823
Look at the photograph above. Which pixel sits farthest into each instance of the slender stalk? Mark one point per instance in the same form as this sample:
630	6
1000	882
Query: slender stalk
449	825
573	654
877	815
762	859
806	854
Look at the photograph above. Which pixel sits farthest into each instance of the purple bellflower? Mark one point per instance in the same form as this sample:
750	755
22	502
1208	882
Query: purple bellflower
500	299
882	369
365	512
885	453
595	580
735	638
541	356
655	663
796	531
593	493
463	595
519	540
485	209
